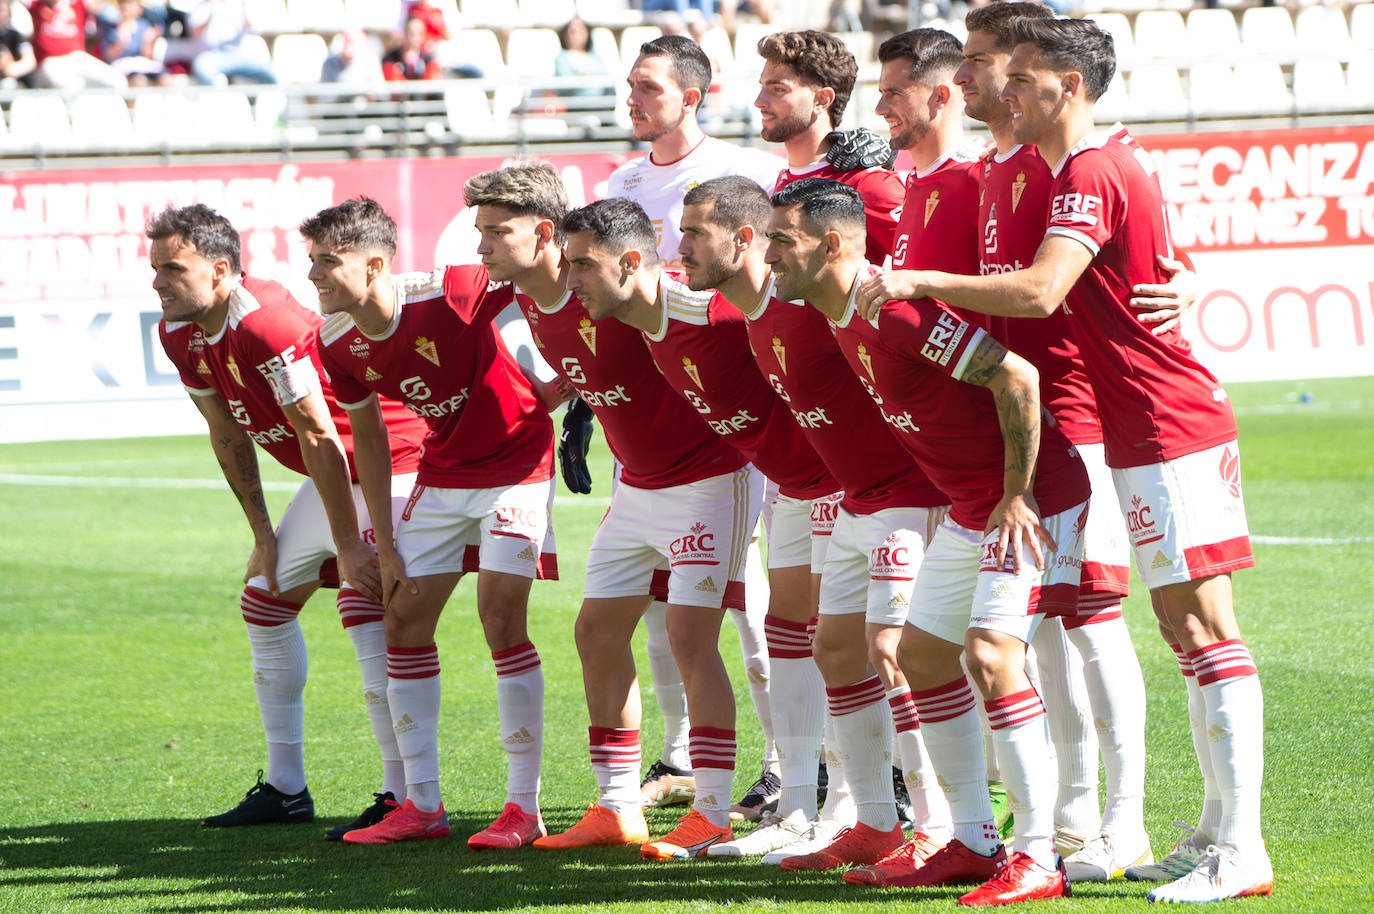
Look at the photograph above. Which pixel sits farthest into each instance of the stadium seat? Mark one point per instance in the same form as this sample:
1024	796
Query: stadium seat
1119	27
270	17
1115	103
614	13
469	111
1160	35
102	120
165	119
861	45
1267	31
39	119
269	113
1319	85
604	45
1212	90
1262	89
530	52
631	39
1212	35
1156	93
1359	76
550	13
1321	31
747	60
298	58
496	14
323	16
472	47
225	117
1362	27
716	44
376	16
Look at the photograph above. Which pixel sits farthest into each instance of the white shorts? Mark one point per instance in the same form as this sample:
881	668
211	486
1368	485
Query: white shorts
698	531
452	531
1106	547
872	562
961	587
1186	517
797	529
305	544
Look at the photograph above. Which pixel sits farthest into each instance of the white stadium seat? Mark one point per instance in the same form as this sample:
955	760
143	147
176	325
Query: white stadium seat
1261	89
1362	27
472	47
550	13
102	119
747	59
1156	92
1212	35
1359	76
1267	31
165	118
323	16
298	58
631	39
270	17
1319	85
377	16
1212	89
1119	27
604	46
499	14
609	13
1159	35
531	52
225	116
1115	103
1321	31
39	119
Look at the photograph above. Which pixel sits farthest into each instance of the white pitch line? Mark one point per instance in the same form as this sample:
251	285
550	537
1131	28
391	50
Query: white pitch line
138	482
1310	540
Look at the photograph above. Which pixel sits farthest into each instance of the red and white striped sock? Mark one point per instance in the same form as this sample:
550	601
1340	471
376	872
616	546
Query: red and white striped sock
1231	691
615	762
712	750
798	703
1022	738
362	620
927	798
279	670
954	739
520	705
1209	821
863	735
413	691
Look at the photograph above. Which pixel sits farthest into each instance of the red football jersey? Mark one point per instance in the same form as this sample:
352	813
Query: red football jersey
58	29
796	352
264	357
659	440
1012	208
1155	399
444	359
938	225
908	361
702	348
882	192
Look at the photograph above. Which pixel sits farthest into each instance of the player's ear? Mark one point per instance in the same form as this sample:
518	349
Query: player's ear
544	230
221	270
1073	83
691	98
375	264
825	97
940	97
630	261
834	243
745	236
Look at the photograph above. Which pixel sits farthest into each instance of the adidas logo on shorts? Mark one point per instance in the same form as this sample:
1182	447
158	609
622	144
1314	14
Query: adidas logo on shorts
1160	561
898	600
527	555
706	585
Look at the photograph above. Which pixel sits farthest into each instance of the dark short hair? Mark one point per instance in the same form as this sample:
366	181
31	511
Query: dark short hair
527	189
359	224
736	201
825	204
689	65
1072	44
211	234
819	59
996	19
616	222
934	53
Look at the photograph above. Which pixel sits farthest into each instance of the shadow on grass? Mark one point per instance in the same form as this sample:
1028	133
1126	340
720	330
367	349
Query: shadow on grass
177	866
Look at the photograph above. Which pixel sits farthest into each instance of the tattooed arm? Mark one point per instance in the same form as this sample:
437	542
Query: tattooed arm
1015	387
239	463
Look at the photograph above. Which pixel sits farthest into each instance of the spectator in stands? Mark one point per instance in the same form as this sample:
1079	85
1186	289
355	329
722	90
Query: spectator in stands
436	29
16	53
412	59
577	58
352	60
219	28
59	47
729	9
128	42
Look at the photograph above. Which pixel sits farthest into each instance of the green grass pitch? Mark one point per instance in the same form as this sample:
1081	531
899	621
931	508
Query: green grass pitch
126	712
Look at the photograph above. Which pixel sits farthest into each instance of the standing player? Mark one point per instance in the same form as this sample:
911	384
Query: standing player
673	470
246	352
1176	467
887	513
1009	549
428	341
668	85
699	344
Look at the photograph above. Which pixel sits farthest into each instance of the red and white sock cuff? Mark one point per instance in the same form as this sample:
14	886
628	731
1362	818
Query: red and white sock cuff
356	609
260	609
944	702
1014	709
614	746
711	747
515	660
787	640
1185	666
854	697
412	662
1228	659
903	705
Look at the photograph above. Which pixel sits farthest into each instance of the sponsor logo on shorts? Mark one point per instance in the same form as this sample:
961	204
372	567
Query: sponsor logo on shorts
696	548
527	554
988	561
1161	561
1141	523
898	601
510	519
891	561
824	511
706	585
1230	471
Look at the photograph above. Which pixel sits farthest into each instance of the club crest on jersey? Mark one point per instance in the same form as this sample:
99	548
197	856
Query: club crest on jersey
427	349
780	351
234	370
1018	187
371	375
931	202
692	371
587	330
865	359
203	367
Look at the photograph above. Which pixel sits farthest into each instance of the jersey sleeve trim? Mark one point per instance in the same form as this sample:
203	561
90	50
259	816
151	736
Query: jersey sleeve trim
366	401
970	348
200	391
1076	235
335	326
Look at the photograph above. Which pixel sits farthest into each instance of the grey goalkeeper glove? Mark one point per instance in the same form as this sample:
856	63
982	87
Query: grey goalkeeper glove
857	149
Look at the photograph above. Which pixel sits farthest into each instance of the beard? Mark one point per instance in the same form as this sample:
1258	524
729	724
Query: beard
786	128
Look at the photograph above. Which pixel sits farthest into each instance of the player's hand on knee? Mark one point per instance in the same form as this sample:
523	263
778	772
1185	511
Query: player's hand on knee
262	561
394	577
573	444
358	566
